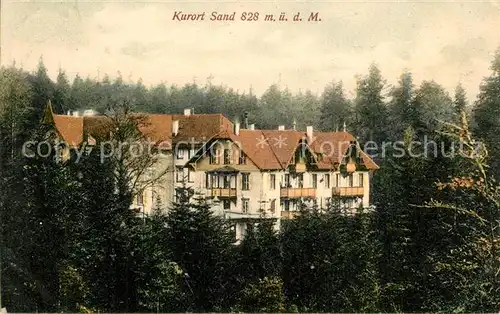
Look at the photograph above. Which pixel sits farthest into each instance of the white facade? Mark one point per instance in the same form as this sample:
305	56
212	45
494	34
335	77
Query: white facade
251	194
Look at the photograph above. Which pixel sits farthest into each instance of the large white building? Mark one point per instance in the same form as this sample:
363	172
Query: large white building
245	173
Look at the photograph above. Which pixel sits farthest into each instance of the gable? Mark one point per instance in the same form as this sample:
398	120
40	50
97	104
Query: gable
222	151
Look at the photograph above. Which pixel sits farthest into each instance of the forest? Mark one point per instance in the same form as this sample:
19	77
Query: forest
69	242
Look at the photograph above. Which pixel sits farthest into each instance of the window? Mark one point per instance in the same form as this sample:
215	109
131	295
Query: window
190	153
245	181
351	181
314	181
179	176
233	230
180	153
287	180
360	180
208	180
272	181
242	160
300	178
273	205
227	154
245	205
212	158
181	197
287	205
327	181
140	198
190	175
226	204
337	180
227	182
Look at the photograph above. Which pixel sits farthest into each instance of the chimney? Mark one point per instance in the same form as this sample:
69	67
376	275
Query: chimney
237	128
187	112
345	127
175	127
294	124
252	126
309	132
75	113
69	112
281	128
246	119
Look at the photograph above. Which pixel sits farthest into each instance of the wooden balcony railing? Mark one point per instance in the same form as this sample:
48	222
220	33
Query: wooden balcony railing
222	192
297	192
348	191
286	214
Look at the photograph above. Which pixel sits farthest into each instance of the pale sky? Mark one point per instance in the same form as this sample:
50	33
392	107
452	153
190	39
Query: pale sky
447	41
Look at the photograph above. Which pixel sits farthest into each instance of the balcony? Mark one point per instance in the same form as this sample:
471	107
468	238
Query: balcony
348	191
297	192
286	214
243	216
223	192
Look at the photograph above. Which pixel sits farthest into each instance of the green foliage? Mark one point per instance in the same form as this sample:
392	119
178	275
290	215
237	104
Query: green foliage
69	241
459	102
163	289
201	244
73	289
335	108
62	93
402	112
486	115
371	110
264	296
432	106
337	269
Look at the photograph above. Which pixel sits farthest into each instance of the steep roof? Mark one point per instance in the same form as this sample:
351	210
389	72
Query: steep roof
200	127
332	146
157	127
267	149
257	147
97	126
70	128
283	143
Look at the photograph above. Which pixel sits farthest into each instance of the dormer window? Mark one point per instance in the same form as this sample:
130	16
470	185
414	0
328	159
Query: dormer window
242	160
227	159
180	153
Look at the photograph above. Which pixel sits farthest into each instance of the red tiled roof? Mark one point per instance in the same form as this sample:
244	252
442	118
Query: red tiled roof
268	149
332	146
70	128
257	147
97	126
369	163
157	127
200	127
283	143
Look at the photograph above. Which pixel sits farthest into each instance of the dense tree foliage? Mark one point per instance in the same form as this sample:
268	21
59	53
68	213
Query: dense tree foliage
70	242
